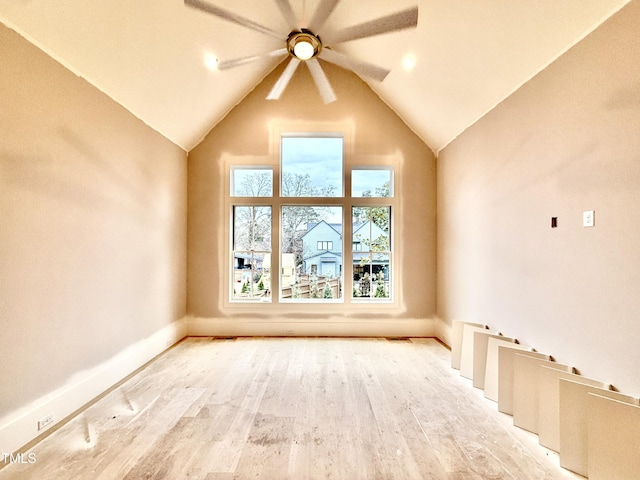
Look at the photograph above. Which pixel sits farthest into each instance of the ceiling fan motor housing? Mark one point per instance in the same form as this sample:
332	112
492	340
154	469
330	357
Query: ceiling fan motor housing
303	44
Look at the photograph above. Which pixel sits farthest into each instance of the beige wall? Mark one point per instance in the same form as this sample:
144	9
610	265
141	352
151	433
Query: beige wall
566	142
375	134
92	228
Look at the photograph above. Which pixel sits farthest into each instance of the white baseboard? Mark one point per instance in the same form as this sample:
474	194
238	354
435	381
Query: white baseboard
443	331
234	327
21	427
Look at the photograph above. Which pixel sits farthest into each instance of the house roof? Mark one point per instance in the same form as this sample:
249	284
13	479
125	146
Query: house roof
359	226
325	255
335	226
151	55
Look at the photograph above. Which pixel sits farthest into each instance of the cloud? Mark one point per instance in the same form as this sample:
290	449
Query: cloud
319	157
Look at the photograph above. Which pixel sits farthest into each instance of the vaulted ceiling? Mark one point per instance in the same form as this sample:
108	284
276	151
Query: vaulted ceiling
151	55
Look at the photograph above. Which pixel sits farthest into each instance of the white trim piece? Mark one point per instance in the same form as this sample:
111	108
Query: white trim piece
457	329
506	361
549	403
491	373
526	388
302	327
574	422
614	443
466	354
480	353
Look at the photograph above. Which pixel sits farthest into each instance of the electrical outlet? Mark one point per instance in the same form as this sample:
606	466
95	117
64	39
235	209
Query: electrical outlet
289	331
45	421
588	218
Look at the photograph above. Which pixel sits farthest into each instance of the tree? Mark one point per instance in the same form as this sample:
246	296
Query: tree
365	285
313	287
295	288
328	292
380	291
252	228
378	215
256	184
296	218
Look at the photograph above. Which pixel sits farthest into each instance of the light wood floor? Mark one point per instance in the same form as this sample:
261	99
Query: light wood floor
292	408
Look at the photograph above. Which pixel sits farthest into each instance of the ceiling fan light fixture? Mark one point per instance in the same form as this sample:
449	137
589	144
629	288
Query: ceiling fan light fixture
303	45
303	50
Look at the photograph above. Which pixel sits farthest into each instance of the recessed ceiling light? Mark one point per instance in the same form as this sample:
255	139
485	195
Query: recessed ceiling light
210	61
409	62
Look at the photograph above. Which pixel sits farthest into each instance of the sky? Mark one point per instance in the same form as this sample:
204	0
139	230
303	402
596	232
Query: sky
321	158
362	180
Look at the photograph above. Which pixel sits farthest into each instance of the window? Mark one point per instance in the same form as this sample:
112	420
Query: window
251	182
372	182
372	252
325	245
251	253
311	166
315	266
308	196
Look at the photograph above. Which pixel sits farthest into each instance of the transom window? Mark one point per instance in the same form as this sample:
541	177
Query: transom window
317	194
311	166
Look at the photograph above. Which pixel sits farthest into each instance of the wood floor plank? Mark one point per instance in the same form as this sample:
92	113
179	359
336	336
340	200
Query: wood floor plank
266	453
157	421
294	408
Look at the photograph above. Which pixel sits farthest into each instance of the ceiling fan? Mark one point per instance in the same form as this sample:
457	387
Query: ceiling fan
303	45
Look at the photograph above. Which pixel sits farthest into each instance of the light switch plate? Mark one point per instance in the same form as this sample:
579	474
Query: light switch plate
588	218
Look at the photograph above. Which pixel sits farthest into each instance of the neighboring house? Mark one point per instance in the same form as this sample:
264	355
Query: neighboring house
363	261
322	249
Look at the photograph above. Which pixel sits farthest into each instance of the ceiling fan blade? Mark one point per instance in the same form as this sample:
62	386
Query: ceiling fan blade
321	14
359	67
236	62
231	17
391	23
287	13
284	80
322	82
